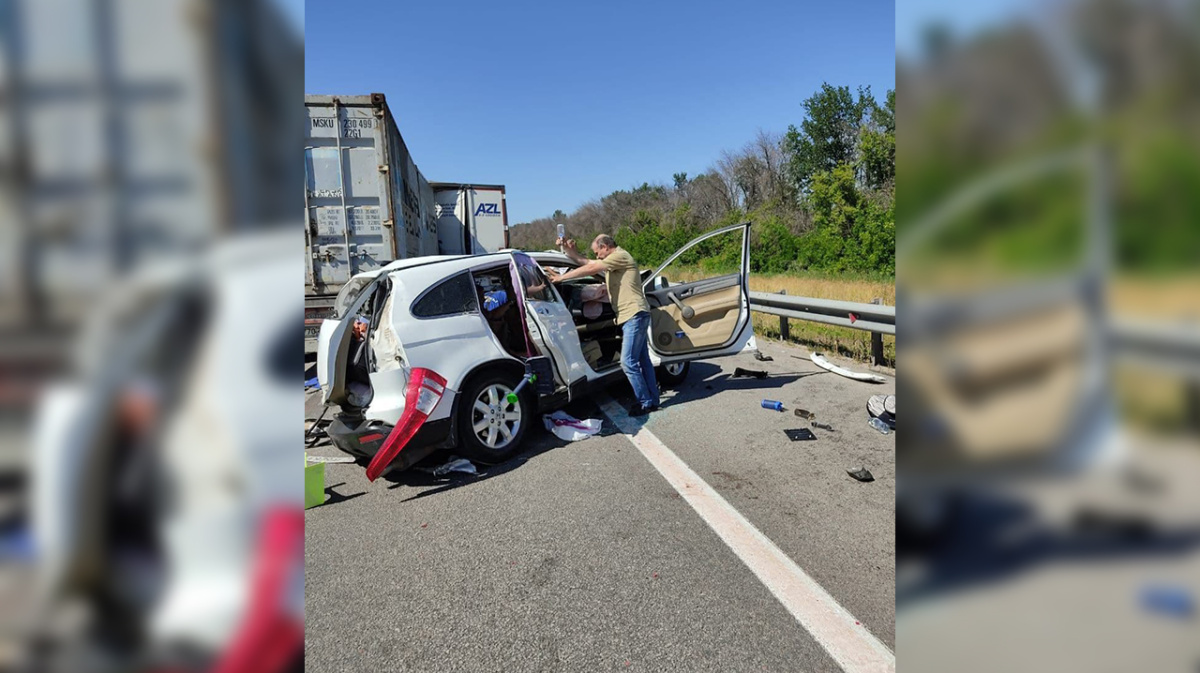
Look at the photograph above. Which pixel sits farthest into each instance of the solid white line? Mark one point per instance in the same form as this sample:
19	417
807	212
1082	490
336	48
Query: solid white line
848	642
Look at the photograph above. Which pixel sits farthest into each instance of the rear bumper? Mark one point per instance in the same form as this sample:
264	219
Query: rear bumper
361	440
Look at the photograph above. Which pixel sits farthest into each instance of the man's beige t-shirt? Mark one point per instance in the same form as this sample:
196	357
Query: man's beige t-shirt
624	285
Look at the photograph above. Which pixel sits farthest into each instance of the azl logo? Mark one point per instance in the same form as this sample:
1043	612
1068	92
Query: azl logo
487	209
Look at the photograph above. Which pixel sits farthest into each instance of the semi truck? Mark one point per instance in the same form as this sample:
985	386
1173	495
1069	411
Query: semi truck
367	204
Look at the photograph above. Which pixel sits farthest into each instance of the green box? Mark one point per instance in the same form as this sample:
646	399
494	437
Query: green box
314	484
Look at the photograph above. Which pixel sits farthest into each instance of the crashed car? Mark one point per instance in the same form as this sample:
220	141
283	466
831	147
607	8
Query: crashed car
424	353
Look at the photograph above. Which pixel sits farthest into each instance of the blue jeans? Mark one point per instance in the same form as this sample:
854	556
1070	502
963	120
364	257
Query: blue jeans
635	359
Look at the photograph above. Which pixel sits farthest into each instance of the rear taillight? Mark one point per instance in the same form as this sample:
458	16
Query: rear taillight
425	390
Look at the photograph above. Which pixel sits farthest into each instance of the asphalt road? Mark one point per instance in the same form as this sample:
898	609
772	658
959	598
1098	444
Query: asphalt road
582	557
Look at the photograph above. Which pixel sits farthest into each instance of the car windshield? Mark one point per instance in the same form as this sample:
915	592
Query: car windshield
350	292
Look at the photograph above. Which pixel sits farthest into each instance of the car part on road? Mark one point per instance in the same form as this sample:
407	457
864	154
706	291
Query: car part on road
749	373
455	465
800	434
878	405
861	474
772	404
820	361
491	428
673	373
806	414
823	426
571	429
762	358
880	426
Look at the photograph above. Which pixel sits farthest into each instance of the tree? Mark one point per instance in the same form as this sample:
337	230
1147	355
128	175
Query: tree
828	135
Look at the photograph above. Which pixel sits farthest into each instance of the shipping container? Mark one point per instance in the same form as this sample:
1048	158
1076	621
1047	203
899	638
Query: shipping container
133	131
358	170
471	219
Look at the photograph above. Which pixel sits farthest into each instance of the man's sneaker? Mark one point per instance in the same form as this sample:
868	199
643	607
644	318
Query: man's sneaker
639	410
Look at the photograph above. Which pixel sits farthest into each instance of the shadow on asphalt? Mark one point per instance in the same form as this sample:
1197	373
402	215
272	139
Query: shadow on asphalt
993	538
706	379
334	497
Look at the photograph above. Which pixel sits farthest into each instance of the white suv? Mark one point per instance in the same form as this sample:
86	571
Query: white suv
447	340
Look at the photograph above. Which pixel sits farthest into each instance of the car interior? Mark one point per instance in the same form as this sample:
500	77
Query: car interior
599	335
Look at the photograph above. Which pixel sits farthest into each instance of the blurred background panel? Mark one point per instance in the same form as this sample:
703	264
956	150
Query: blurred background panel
148	191
1048	273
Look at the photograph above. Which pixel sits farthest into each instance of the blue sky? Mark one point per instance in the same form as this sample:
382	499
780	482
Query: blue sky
961	18
565	102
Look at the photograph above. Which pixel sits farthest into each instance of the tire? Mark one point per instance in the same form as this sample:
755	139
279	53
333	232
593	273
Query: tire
673	374
476	428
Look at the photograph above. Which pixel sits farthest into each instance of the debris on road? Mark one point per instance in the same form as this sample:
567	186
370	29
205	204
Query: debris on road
820	361
772	404
568	428
861	474
800	434
823	426
749	373
1170	601
455	464
314	484
312	383
880	426
329	459
763	358
883	407
806	414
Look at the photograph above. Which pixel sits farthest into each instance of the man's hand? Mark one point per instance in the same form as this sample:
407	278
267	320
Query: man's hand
552	275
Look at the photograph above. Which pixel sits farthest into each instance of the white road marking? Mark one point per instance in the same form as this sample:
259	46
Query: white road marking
848	642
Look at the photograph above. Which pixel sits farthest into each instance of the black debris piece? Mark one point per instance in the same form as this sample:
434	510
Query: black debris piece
800	434
762	358
753	373
861	474
823	426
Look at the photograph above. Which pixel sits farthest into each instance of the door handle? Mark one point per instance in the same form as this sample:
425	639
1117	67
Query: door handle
688	311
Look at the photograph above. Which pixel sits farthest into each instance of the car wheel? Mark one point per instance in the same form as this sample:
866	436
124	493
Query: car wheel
672	374
491	428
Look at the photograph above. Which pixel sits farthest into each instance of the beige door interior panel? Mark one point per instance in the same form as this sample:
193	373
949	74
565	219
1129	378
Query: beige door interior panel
713	324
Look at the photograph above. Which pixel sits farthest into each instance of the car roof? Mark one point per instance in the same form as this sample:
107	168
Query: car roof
446	265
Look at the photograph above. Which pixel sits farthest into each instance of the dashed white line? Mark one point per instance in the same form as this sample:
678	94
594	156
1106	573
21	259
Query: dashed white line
848	642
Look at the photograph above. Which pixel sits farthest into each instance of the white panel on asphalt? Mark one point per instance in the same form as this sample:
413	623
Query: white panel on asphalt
848	642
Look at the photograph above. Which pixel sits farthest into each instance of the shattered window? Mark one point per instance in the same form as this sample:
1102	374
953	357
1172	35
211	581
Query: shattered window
453	295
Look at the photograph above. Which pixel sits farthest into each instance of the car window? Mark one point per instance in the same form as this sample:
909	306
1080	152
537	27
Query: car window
453	295
537	286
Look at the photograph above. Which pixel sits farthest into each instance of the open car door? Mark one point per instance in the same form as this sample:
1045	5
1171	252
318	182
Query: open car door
333	345
555	327
699	298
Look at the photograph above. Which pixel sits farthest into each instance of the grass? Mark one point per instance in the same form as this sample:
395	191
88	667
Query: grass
843	341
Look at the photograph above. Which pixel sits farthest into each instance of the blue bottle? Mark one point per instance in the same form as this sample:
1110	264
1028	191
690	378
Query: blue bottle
772	404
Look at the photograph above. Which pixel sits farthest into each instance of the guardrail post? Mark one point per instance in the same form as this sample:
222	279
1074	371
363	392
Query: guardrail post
877	341
784	333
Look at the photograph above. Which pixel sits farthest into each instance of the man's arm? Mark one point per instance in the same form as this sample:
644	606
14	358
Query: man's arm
590	268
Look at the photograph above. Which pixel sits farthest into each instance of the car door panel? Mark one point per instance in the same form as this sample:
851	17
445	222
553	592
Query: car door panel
719	321
555	326
333	349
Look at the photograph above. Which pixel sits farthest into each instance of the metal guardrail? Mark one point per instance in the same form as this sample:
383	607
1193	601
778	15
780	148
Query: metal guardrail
877	319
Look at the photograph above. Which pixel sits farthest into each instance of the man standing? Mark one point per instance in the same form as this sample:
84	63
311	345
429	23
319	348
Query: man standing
624	283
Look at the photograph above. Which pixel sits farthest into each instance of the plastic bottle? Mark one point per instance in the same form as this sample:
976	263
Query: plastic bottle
879	425
772	404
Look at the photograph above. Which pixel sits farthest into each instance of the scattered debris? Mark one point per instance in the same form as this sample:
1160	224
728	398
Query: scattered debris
312	383
762	358
772	404
800	434
880	426
823	426
424	525
878	407
806	414
749	373
1170	601
570	429
455	465
820	361
329	459
861	474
